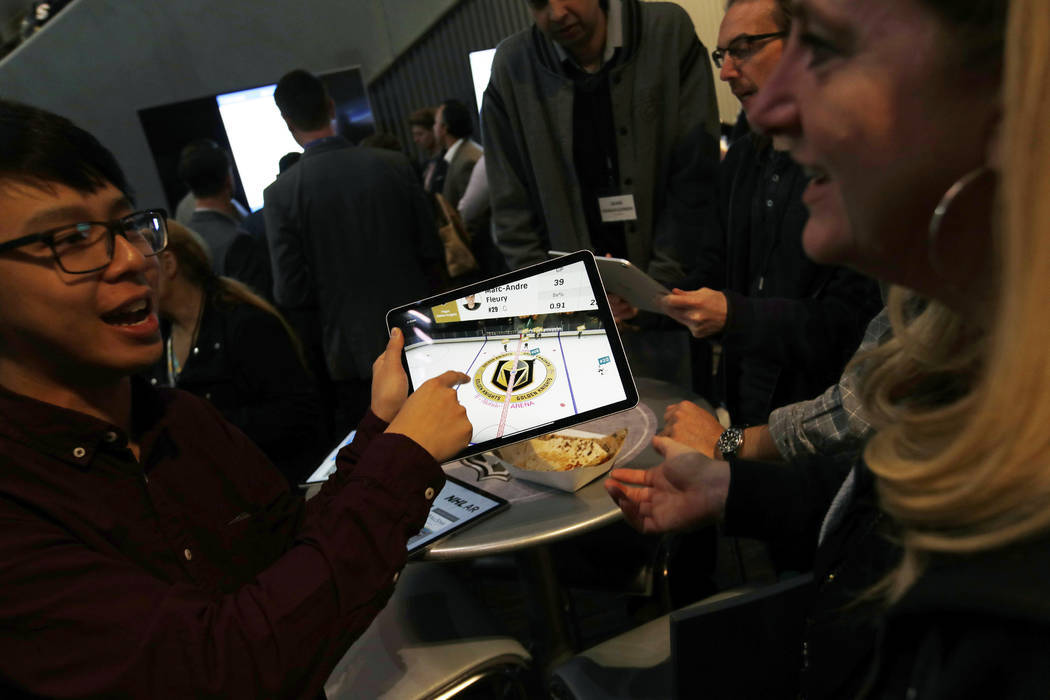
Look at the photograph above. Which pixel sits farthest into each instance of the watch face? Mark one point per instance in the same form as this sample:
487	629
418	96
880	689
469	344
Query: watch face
730	441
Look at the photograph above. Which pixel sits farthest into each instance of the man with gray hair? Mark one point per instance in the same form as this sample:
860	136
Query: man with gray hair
787	325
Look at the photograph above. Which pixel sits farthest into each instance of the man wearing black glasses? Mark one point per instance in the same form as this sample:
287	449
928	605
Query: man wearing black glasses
787	325
147	548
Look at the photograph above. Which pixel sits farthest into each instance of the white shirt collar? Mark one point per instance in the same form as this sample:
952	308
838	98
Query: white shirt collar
613	34
453	150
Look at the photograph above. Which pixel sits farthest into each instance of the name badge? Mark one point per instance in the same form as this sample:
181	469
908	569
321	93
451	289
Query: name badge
618	208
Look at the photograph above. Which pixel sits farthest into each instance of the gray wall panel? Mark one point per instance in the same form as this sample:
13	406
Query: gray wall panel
437	66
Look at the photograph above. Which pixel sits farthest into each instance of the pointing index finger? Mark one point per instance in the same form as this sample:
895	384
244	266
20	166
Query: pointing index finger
452	378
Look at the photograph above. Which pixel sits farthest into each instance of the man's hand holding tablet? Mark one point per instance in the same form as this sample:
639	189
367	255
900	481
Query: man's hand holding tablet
389	381
432	417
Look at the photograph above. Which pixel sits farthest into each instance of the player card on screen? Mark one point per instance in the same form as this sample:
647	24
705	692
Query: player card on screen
539	344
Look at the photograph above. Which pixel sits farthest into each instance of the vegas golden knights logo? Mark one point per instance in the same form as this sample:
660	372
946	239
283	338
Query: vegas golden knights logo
525	380
522	374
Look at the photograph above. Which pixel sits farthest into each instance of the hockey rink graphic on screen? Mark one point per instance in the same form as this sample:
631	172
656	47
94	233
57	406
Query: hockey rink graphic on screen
535	351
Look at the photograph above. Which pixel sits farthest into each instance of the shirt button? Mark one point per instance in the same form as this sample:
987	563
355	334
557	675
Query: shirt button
623	131
110	436
831	577
208	395
769	203
187	553
218	345
627	181
153	381
196	351
79	452
428	494
776	178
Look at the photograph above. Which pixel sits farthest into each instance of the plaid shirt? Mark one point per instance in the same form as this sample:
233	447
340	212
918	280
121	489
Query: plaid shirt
833	425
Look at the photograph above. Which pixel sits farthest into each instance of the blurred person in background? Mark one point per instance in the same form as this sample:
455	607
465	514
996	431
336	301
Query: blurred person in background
205	168
228	345
431	166
351	236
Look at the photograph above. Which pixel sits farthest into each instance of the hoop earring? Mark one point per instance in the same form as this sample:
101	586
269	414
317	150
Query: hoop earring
941	211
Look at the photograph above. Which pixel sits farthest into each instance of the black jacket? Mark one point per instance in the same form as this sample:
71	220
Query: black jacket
245	364
792	324
352	235
786	505
975	626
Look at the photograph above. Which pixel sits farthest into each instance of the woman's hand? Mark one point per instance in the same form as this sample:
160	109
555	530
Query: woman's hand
433	417
389	381
685	491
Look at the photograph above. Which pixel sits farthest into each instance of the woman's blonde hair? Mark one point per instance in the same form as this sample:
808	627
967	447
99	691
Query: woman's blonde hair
195	265
963	462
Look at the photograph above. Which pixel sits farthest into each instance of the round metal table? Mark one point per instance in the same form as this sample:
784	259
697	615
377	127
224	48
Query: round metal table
559	515
525	529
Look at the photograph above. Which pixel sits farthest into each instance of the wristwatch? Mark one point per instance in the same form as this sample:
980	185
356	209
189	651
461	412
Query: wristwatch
729	442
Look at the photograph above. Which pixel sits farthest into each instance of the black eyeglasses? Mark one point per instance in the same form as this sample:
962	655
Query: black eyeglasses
741	48
88	246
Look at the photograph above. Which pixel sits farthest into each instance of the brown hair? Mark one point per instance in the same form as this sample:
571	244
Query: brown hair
423	117
195	266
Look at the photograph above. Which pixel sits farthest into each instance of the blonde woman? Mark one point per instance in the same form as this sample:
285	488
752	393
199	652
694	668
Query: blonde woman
936	545
226	344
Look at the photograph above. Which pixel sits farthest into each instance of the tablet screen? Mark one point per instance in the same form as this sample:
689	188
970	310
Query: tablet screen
539	345
454	508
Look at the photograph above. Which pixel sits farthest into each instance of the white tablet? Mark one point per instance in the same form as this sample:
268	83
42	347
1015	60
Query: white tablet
327	467
624	279
539	344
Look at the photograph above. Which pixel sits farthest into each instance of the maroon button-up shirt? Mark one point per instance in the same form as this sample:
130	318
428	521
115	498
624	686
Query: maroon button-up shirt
193	572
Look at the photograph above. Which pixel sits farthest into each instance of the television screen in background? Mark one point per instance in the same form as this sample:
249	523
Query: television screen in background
258	137
247	123
480	69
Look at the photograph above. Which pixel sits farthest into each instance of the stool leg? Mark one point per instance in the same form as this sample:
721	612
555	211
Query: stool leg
547	607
